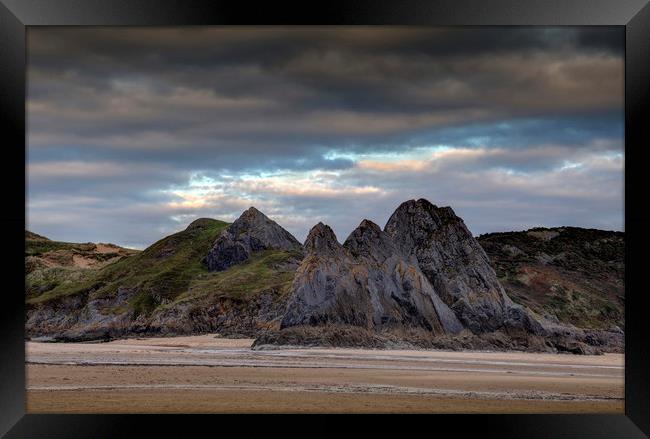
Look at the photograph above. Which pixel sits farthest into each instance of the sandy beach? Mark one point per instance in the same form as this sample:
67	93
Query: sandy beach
204	374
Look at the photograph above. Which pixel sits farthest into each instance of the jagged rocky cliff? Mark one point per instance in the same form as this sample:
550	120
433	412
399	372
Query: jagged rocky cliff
457	267
422	281
425	271
251	232
366	282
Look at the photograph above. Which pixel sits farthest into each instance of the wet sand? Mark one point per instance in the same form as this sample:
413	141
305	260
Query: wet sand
204	374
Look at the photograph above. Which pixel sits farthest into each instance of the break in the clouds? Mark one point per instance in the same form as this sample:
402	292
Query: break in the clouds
135	132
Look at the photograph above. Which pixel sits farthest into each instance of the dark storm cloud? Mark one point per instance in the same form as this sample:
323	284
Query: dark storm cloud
118	118
273	46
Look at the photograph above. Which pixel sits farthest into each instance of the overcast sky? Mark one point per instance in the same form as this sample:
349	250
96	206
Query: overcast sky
135	132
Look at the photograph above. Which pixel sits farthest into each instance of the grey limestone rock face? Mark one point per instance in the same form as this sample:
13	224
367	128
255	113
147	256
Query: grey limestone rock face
323	289
251	232
422	280
457	267
366	282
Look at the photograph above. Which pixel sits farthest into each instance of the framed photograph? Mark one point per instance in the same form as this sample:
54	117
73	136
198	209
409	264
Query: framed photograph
372	208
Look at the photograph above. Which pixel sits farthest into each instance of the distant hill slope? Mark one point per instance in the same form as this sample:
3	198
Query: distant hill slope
165	288
34	236
574	274
51	264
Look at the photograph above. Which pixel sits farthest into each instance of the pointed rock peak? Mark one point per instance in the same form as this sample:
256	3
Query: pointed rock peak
365	231
444	212
252	212
252	218
419	213
368	239
251	232
321	230
425	204
321	238
421	204
367	224
255	224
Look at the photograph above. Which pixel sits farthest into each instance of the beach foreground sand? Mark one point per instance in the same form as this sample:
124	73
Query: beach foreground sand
205	374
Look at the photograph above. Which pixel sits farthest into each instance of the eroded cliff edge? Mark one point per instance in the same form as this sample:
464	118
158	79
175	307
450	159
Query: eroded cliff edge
422	281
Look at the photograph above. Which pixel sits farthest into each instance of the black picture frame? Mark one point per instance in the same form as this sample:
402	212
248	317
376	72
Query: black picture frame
15	15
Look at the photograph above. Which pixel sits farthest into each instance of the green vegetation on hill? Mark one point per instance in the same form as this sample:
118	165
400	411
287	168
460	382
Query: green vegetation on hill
34	236
37	247
52	264
159	273
268	270
572	273
172	271
42	279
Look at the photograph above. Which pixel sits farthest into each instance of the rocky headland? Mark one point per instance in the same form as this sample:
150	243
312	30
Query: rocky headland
422	281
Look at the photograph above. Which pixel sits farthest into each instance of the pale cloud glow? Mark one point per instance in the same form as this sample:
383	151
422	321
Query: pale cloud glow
570	180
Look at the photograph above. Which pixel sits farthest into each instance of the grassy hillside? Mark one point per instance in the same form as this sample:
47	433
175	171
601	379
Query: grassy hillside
50	264
265	271
163	269
572	273
37	245
172	271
